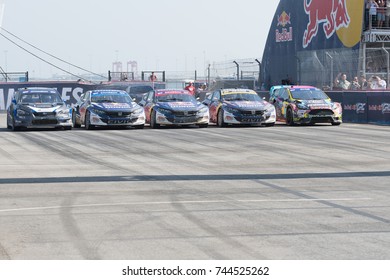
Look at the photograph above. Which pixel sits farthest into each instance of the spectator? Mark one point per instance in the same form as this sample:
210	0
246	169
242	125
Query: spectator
355	84
372	13
152	77
367	5
363	83
341	82
380	13
387	18
377	83
190	87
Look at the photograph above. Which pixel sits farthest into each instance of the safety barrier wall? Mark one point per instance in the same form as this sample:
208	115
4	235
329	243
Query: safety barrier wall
70	91
364	106
359	106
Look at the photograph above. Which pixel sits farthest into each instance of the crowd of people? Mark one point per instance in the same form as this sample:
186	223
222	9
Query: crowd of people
359	83
377	14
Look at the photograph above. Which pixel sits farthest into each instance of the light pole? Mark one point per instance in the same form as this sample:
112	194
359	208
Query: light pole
5	60
238	70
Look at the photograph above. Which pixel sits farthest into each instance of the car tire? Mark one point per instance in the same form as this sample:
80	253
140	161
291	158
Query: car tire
88	125
74	120
203	125
153	120
8	122
336	123
67	128
14	127
220	121
289	117
269	124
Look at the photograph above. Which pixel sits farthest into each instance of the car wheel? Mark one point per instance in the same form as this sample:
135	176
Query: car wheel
289	117
14	127
8	122
67	128
203	125
220	121
88	125
269	124
74	120
153	120
336	123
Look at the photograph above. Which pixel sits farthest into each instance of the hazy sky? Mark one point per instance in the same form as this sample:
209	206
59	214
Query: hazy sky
171	35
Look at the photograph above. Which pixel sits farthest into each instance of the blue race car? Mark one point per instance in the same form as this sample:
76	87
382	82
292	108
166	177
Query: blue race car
38	108
107	108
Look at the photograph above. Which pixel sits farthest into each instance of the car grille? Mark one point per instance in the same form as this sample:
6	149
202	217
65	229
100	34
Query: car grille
252	113
118	114
44	121
44	114
184	113
321	112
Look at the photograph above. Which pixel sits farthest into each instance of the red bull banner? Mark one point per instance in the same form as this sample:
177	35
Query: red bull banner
309	40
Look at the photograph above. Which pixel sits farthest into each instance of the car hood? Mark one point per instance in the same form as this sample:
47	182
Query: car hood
178	106
114	106
42	107
246	105
316	104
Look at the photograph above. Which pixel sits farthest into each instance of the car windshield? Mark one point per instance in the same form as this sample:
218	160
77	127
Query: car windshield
241	97
308	94
175	98
110	98
40	98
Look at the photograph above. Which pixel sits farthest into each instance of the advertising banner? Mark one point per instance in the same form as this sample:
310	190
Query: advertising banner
378	107
70	91
355	107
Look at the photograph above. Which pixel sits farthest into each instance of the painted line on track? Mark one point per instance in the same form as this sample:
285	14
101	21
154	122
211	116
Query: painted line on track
178	202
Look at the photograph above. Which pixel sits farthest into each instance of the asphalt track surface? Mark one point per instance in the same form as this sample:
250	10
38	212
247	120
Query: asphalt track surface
307	192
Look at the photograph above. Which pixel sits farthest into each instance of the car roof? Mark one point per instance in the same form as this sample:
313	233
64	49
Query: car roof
108	91
171	91
31	90
237	90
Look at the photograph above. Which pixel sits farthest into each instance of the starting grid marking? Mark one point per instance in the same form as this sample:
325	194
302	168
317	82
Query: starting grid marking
179	202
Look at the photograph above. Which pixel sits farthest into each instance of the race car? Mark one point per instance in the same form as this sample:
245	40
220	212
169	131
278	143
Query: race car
36	107
107	108
174	107
239	106
304	105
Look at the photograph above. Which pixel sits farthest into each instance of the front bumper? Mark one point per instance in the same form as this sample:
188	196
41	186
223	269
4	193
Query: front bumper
42	122
306	117
127	120
171	119
262	118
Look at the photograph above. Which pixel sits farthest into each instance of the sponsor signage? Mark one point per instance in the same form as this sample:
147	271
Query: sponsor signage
70	92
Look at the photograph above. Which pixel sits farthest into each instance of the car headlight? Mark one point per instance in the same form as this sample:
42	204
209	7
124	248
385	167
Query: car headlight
231	110
302	106
335	106
203	111
138	110
164	111
97	111
21	112
269	109
63	112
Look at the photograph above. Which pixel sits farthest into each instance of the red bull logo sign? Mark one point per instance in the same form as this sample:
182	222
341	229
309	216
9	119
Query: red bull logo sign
332	14
285	35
